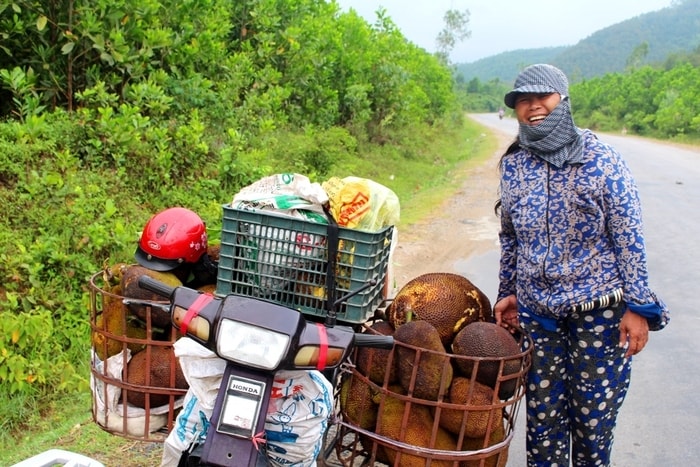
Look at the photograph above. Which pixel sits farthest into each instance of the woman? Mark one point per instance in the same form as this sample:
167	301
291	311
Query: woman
572	272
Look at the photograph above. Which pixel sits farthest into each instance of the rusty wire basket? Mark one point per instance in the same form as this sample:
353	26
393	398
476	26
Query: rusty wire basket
387	425
126	340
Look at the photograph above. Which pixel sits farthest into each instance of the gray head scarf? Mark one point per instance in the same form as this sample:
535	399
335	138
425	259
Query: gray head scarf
555	139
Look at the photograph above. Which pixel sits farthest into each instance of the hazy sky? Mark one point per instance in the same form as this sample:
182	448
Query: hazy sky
503	25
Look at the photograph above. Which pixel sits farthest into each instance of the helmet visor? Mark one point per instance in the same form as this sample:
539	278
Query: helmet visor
156	264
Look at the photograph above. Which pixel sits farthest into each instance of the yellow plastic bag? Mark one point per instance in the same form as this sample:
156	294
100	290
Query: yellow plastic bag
363	204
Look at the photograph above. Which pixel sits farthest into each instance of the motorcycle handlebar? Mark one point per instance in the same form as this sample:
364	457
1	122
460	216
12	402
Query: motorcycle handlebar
361	340
156	286
374	340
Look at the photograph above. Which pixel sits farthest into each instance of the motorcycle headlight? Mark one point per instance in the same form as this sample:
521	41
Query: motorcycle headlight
251	346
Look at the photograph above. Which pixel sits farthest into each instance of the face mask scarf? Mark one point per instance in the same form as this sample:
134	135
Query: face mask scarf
556	139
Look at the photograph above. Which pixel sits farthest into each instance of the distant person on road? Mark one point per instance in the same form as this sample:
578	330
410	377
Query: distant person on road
501	113
573	273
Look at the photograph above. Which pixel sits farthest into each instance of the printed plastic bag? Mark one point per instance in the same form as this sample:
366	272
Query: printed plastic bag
275	255
287	194
360	203
300	406
202	368
191	426
363	204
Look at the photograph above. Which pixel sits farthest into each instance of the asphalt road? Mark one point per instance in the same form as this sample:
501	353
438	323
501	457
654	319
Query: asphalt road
659	423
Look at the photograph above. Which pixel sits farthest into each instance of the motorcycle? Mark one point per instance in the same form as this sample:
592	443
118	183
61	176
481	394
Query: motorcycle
256	339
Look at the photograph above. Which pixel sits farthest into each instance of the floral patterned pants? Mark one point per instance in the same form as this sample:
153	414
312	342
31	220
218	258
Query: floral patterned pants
576	385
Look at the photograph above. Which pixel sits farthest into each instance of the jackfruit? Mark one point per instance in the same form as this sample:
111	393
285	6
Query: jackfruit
476	421
484	339
418	431
112	275
447	301
131	289
420	351
208	288
356	402
498	459
157	365
368	440
112	320
368	445
214	251
374	363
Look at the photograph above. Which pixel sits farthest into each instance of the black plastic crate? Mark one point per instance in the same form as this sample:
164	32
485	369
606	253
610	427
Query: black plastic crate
284	260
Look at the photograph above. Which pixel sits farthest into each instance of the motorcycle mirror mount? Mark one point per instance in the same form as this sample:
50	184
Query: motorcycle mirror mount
332	316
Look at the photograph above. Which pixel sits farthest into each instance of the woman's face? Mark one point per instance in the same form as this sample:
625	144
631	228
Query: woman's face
531	108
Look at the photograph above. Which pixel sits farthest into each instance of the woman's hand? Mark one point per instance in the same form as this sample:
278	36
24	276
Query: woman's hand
506	312
634	332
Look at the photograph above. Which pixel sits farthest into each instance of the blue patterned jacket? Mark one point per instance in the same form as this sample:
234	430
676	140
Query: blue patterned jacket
572	234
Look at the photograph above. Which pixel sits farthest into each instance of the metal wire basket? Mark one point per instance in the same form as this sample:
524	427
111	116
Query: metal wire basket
389	426
122	404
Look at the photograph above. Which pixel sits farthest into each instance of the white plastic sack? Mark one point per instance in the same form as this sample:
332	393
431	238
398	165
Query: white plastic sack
276	257
191	426
300	407
109	412
287	194
107	396
202	368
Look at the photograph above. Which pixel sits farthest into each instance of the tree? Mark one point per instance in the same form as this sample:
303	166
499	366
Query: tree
636	58
455	30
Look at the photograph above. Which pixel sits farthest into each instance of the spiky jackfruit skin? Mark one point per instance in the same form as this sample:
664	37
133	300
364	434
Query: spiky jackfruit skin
112	274
131	289
476	422
153	368
112	320
498	459
484	339
447	301
433	371
356	402
418	432
214	251
374	363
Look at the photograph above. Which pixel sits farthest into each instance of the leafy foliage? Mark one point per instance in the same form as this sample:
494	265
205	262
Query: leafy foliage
613	49
483	97
647	101
114	109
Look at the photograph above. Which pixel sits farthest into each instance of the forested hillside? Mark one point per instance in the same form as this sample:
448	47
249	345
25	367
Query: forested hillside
500	67
645	39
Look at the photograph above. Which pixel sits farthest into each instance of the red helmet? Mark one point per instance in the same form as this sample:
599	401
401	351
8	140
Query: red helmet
170	238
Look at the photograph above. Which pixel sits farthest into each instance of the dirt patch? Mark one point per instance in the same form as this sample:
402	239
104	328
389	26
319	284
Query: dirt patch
464	225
